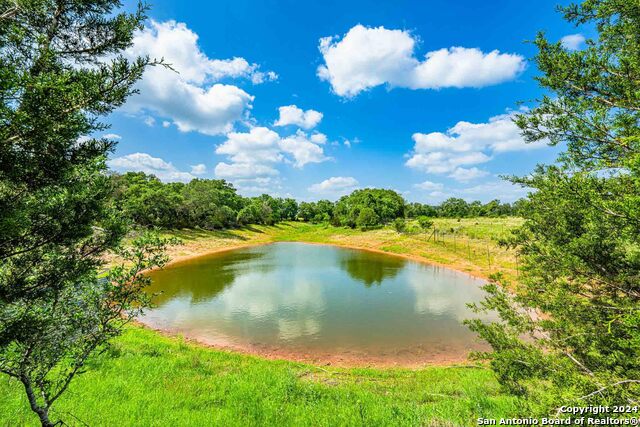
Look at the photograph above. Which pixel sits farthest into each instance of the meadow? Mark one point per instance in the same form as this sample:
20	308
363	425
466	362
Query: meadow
146	378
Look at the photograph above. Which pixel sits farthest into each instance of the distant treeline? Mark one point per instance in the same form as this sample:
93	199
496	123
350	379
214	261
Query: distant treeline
215	204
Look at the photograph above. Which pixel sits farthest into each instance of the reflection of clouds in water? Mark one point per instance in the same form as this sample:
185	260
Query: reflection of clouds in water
294	305
291	329
440	291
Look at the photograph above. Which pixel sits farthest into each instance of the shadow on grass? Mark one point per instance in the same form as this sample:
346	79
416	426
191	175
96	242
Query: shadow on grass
252	229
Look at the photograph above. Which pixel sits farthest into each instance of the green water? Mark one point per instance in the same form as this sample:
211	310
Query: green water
319	301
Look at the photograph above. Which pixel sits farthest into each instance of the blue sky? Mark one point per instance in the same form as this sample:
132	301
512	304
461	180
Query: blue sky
363	105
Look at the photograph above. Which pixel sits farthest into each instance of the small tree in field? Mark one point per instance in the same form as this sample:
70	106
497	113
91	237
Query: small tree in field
425	223
578	300
56	307
367	218
399	224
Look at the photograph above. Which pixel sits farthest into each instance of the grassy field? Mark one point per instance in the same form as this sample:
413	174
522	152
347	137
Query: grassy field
147	379
469	244
150	380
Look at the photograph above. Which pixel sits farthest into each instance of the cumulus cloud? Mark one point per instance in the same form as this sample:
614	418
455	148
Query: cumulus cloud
111	136
467	174
143	162
292	115
302	149
259	185
335	185
429	186
258	146
192	96
235	171
256	153
467	144
198	169
368	57
505	191
572	41
318	138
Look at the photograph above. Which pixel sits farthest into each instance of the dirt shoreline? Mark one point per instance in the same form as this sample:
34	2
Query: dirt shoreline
417	258
407	359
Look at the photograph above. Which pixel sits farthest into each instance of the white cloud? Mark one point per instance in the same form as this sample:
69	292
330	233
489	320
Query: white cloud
149	121
143	162
199	169
258	185
111	136
236	171
191	97
292	115
257	152
368	57
259	145
467	144
318	138
505	191
572	41
348	142
336	185
166	124
439	162
428	185
467	174
302	149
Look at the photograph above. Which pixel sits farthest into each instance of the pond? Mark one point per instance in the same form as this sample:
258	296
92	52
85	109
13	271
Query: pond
319	303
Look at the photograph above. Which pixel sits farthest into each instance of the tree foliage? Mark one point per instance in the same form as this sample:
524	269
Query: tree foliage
204	203
55	222
385	205
579	297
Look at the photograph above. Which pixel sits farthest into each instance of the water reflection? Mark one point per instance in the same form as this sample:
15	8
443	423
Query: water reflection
313	298
370	268
201	278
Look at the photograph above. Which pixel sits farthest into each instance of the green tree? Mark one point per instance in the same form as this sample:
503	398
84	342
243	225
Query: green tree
425	222
55	222
399	224
211	203
367	218
289	209
578	300
386	204
454	208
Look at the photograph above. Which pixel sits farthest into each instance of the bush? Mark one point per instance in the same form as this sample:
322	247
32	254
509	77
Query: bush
367	218
425	222
399	225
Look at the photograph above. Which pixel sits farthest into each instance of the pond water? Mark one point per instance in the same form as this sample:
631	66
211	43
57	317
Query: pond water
320	303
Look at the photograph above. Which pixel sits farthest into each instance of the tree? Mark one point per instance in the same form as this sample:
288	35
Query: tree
210	203
454	208
425	222
367	218
414	210
578	300
386	204
399	224
55	222
289	209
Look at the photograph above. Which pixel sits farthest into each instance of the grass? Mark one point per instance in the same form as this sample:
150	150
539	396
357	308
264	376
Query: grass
149	379
469	244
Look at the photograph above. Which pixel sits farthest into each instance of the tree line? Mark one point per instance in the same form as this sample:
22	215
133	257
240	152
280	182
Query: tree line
215	204
577	303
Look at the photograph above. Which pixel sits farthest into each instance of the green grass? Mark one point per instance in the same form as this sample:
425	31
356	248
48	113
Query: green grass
150	380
